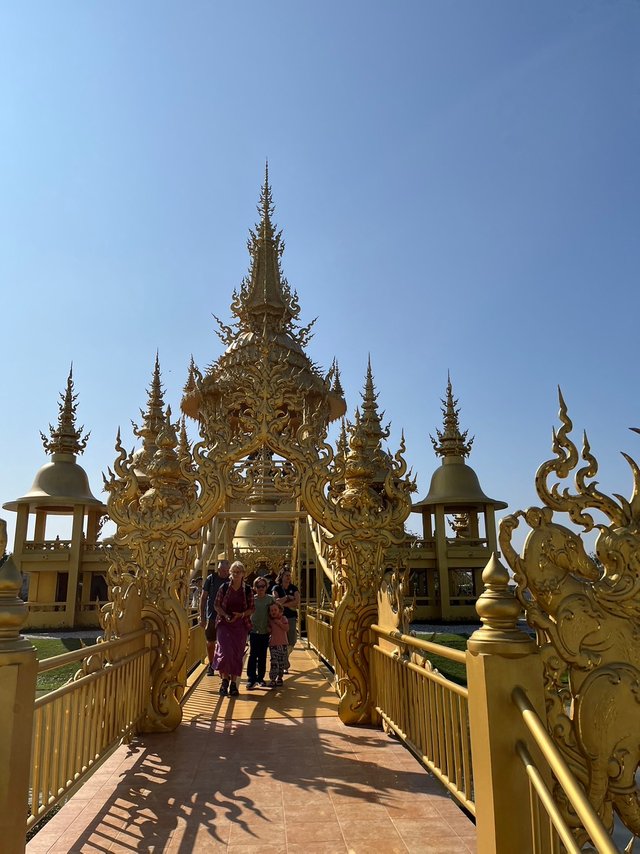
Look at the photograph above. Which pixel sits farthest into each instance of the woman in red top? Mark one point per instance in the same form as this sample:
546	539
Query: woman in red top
233	605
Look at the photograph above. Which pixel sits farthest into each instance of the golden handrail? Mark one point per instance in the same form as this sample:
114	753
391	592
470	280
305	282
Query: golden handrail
574	792
84	652
546	798
424	646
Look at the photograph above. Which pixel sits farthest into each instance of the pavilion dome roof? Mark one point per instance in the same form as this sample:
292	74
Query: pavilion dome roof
58	487
455	484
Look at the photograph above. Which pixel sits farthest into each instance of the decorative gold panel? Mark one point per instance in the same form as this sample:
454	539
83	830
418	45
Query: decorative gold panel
586	612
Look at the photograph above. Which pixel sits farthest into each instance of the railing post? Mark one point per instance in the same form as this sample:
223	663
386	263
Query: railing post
18	672
499	657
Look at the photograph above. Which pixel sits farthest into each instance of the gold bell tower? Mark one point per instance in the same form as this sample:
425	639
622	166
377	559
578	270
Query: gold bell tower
459	528
66	577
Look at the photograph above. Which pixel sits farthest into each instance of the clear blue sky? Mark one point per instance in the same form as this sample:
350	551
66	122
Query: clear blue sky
458	184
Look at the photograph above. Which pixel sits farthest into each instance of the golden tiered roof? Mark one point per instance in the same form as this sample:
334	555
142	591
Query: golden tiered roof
61	484
266	312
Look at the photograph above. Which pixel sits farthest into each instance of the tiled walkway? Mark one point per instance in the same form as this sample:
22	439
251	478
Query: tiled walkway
236	780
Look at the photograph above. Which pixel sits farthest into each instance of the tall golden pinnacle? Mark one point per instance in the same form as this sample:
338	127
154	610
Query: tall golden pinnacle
366	462
65	438
263	331
451	441
265	302
336	388
184	445
153	420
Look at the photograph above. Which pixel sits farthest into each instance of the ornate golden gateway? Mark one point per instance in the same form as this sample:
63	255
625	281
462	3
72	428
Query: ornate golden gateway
586	612
264	396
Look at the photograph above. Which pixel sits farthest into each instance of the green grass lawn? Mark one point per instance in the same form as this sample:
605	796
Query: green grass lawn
450	669
47	648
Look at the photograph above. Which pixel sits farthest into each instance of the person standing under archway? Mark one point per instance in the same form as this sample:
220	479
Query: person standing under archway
212	584
234	607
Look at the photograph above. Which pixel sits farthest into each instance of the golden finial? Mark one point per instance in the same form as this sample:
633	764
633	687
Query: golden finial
190	384
337	385
152	420
65	438
371	422
451	441
266	206
13	611
366	462
499	611
265	303
184	445
342	445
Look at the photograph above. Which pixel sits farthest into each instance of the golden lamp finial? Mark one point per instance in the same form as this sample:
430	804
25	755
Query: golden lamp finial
65	438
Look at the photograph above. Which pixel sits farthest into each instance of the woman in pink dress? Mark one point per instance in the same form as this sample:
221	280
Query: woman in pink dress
234	606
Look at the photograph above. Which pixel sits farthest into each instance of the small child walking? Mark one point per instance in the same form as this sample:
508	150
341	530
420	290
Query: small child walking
278	643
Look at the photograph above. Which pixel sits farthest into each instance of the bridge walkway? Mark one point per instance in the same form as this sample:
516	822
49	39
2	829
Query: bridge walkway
271	772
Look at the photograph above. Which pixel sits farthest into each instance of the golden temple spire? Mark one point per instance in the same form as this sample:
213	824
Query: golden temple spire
190	384
65	438
342	445
184	445
167	482
371	418
366	461
451	442
336	388
153	420
265	302
264	331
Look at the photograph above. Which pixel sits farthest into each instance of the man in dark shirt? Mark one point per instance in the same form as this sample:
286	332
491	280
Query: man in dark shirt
213	583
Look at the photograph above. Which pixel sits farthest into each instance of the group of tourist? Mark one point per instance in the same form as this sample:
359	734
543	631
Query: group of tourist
231	610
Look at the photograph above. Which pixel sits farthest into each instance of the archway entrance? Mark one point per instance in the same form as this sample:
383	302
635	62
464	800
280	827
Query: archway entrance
263	410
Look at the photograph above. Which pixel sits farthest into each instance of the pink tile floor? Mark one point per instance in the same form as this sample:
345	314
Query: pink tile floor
278	786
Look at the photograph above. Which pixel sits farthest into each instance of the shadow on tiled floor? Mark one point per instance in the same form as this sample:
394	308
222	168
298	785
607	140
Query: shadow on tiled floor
281	784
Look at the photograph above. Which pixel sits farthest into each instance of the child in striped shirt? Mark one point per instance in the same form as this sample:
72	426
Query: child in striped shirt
278	643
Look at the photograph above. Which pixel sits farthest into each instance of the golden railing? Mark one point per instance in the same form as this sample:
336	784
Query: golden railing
76	725
318	621
428	712
196	645
542	799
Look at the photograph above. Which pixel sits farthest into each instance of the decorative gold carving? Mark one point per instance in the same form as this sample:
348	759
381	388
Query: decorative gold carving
586	614
451	441
65	438
159	498
262	400
366	518
395	608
